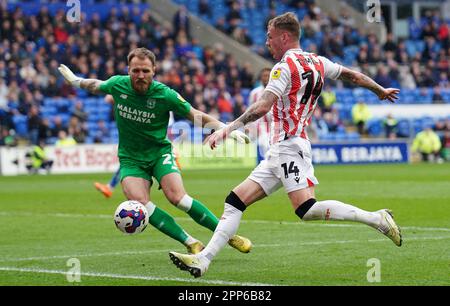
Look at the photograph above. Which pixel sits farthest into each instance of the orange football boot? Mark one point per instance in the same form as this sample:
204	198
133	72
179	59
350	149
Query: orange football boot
107	192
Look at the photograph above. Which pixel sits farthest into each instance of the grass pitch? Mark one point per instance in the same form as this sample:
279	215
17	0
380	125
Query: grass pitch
47	221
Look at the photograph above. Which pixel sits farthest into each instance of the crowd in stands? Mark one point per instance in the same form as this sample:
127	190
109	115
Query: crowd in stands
33	46
33	95
422	60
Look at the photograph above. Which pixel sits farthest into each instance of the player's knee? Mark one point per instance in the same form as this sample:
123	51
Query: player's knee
233	200
174	197
305	207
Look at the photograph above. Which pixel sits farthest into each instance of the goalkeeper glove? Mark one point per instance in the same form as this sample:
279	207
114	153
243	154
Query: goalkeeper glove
239	136
70	76
236	135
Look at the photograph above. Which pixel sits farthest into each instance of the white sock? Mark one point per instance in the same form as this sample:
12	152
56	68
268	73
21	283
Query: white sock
150	208
227	228
185	203
335	210
190	240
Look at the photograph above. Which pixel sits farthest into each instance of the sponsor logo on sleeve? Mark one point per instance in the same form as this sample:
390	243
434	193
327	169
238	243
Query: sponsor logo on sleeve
276	74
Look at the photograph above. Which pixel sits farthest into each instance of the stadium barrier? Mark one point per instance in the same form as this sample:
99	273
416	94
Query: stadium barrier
73	159
96	158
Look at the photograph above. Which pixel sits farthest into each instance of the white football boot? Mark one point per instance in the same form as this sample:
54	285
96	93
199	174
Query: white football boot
388	226
197	265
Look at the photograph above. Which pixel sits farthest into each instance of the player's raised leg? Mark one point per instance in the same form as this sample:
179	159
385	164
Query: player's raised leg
236	202
307	208
136	188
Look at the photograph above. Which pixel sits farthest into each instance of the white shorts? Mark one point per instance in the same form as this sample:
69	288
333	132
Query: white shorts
288	163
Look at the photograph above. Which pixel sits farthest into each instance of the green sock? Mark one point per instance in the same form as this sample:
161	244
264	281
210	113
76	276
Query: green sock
199	212
166	224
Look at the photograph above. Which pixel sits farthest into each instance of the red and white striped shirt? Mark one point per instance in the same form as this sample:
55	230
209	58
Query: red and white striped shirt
297	80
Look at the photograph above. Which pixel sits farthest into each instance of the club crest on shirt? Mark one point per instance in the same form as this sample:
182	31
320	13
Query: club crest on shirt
276	74
151	103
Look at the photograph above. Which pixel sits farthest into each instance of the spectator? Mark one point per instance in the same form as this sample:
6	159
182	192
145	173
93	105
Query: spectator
428	144
204	9
181	21
234	13
239	106
327	99
102	133
225	106
390	44
77	130
79	112
383	77
37	159
390	127
34	123
57	126
221	25
332	122
437	97
319	126
360	116
45	132
7	137
65	140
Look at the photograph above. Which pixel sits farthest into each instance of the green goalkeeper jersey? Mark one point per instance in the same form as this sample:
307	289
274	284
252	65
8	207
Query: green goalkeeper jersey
142	120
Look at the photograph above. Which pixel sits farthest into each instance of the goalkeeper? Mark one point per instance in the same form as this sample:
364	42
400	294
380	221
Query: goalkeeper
141	107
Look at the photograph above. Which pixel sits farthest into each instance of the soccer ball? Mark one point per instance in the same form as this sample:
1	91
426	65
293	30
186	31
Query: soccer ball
131	217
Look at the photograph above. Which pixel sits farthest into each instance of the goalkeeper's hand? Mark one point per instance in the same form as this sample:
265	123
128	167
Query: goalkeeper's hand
69	75
219	136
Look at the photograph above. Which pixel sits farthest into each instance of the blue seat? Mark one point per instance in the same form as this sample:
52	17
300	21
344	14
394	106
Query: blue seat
375	127
403	128
353	136
20	125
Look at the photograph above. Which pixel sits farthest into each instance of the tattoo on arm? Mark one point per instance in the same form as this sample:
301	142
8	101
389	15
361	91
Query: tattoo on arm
258	109
361	80
91	85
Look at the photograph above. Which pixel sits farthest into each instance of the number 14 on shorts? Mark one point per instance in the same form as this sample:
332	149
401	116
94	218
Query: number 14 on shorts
291	169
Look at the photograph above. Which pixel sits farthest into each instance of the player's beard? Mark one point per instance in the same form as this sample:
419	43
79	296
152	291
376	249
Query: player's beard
141	86
271	51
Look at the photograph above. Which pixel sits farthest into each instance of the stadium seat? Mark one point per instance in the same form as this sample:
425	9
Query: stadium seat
21	125
375	127
403	128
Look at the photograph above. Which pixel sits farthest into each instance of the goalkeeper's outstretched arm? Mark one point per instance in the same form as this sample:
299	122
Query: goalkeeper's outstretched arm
91	85
201	119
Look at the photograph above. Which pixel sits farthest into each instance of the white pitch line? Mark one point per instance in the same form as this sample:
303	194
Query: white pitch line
346	241
138	277
82	255
301	223
37	258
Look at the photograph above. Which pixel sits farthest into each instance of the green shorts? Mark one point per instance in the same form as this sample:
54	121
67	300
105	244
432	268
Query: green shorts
157	167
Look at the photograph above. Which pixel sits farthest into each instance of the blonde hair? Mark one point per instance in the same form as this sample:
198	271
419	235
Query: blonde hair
142	53
288	22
